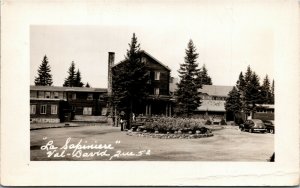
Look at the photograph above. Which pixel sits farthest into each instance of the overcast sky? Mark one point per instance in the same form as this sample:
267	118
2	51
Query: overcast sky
228	38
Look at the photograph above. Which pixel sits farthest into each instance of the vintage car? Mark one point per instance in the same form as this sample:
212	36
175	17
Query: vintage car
270	126
253	125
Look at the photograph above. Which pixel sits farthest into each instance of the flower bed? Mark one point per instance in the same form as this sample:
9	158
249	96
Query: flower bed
167	127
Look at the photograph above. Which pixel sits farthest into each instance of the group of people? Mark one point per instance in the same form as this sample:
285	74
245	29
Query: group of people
122	120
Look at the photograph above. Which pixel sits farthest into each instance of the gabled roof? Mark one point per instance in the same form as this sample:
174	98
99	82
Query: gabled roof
59	88
147	54
150	56
214	90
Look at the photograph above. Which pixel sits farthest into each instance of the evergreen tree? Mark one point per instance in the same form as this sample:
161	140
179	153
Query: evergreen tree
272	100
78	82
130	81
188	98
233	103
203	77
44	77
266	91
240	84
87	85
70	81
248	75
252	94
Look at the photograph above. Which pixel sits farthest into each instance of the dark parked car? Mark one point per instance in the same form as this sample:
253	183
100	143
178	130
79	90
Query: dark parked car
253	125
270	126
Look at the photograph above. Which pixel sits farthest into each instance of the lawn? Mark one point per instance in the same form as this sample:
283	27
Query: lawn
227	144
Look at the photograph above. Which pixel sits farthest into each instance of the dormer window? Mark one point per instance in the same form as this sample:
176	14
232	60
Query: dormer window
156	75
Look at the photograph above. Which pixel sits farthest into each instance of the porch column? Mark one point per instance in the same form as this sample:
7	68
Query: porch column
167	106
170	110
146	110
149	109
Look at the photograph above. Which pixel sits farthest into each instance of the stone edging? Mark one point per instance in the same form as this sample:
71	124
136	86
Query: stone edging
169	136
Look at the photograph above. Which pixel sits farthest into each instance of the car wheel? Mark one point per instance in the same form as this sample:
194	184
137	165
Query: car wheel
271	131
250	131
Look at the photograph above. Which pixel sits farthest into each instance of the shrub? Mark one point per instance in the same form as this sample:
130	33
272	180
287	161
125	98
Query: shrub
223	122
208	122
172	125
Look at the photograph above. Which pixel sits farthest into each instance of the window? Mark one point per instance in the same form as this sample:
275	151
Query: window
156	91
47	94
73	96
90	96
53	109
55	93
87	110
32	109
43	109
41	94
33	94
156	75
144	60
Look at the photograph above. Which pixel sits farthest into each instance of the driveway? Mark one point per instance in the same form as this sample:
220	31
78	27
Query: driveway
109	143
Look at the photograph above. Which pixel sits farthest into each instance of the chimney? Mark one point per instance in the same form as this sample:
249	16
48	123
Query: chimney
111	59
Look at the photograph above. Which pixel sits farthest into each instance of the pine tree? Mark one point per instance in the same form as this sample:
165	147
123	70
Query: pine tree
188	98
203	77
130	81
70	81
233	103
87	85
44	77
78	82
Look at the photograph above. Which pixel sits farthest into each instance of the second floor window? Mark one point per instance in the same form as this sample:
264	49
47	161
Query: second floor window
55	93
47	94
73	96
156	91
90	96
156	75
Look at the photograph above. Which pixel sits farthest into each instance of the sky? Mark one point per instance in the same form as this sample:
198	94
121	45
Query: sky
228	37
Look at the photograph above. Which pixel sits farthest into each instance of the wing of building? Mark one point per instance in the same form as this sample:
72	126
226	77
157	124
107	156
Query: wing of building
53	104
213	101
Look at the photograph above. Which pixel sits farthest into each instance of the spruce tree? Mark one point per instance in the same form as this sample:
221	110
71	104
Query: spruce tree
188	98
70	81
266	91
248	75
78	82
272	101
240	84
44	77
233	103
130	81
204	78
252	94
87	85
